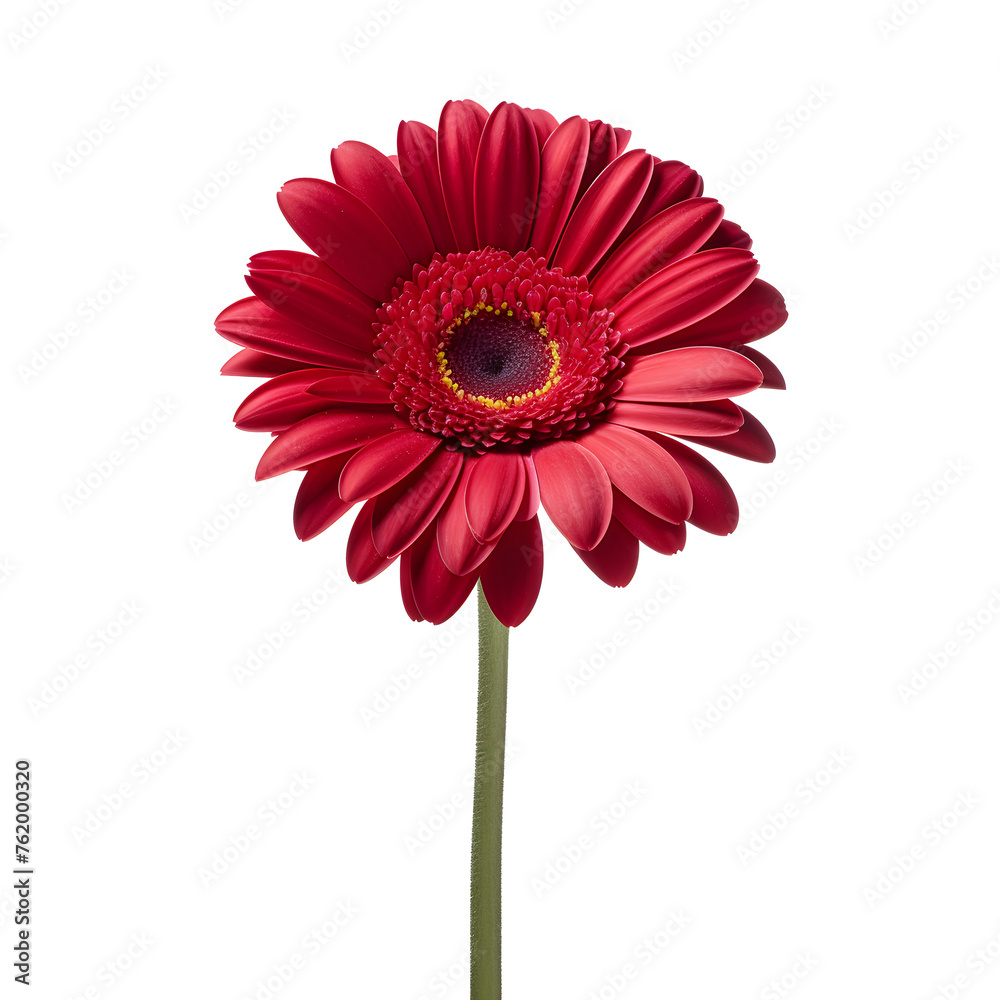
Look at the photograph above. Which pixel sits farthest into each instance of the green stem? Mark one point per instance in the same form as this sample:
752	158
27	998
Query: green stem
487	804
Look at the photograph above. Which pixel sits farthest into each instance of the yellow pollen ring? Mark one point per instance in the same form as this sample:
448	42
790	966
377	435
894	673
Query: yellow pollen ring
487	401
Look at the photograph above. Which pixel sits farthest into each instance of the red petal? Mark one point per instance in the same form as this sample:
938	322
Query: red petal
346	233
756	312
418	165
714	418
460	550
564	158
715	508
602	148
352	387
689	375
403	512
729	235
575	490
531	499
437	592
252	324
318	306
660	536
382	463
512	576
672	181
683	293
773	379
406	587
615	558
459	130
506	179
493	493
642	470
602	212
297	262
317	502
256	364
674	233
751	441
364	561
544	122
281	402
318	301
323	436
365	172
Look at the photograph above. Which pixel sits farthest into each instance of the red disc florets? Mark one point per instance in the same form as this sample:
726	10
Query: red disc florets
487	349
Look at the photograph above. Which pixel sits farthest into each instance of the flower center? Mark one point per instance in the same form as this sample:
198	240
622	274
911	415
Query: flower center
499	358
486	349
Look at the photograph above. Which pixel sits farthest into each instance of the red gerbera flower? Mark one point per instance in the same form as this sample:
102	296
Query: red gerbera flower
509	311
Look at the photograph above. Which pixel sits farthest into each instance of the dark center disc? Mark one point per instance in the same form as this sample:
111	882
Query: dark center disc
498	356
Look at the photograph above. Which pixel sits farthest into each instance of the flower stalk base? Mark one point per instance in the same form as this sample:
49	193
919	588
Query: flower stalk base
487	805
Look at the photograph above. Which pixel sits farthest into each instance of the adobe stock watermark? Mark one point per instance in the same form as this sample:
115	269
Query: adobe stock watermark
607	650
213	527
913	168
921	503
803	963
223	8
904	863
303	610
898	17
786	127
485	86
955	300
977	963
139	775
204	195
7	569
266	817
443	812
656	943
806	792
367	31
123	106
558	14
86	312
708	33
32	25
446	979
130	441
8	907
94	645
400	682
792	462
937	661
314	942
597	828
111	972
761	664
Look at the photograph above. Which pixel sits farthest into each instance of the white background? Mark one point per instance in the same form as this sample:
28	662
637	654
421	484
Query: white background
875	449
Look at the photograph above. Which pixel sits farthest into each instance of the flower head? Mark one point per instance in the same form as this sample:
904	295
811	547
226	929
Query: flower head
509	312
